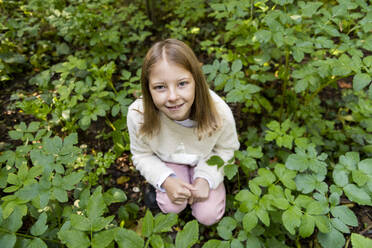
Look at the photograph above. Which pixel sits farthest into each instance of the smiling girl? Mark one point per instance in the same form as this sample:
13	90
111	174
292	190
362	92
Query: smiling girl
177	125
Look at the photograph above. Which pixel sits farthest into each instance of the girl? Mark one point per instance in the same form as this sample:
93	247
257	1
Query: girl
175	127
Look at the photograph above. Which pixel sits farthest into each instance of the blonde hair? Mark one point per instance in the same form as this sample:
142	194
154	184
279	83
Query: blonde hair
203	110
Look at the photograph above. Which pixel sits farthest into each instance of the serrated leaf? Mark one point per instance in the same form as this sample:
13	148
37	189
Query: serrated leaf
96	205
250	221
164	223
291	219
361	80
230	170
147	224
339	225
323	224
357	195
80	222
114	195
305	183
346	215
103	238
297	162
188	236
225	227
359	241
128	239
340	177
286	176
7	240
74	238
307	226
101	222
333	239
215	160
40	225
263	215
72	179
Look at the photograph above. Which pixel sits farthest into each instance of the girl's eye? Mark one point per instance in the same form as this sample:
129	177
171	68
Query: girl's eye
159	87
183	83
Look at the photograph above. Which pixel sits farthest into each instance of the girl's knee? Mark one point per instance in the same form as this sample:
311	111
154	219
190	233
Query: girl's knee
208	217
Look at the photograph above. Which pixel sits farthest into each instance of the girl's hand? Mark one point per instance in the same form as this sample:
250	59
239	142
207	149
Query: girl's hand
177	190
202	190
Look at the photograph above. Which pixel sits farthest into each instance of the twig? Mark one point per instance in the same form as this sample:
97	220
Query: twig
366	230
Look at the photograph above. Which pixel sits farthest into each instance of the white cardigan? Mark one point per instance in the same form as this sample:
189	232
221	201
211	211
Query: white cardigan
179	144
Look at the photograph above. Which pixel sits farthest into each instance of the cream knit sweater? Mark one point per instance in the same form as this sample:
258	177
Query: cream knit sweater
178	144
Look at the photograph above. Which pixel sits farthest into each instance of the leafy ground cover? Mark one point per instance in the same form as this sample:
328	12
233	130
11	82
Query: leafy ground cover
297	75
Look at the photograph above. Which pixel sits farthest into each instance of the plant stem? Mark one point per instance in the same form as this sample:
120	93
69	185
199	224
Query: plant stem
325	85
28	236
285	83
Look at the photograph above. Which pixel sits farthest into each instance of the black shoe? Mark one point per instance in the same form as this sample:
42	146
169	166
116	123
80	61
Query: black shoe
150	197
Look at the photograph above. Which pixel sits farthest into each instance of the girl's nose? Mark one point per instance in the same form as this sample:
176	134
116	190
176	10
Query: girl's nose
173	95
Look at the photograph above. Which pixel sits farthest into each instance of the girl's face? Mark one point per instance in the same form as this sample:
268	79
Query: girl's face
172	89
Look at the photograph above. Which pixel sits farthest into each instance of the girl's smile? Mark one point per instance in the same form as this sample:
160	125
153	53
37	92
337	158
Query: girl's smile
172	89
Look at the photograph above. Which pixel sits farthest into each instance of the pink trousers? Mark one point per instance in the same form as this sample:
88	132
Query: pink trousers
206	212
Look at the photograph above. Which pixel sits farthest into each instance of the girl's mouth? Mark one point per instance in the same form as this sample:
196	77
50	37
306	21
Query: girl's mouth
175	107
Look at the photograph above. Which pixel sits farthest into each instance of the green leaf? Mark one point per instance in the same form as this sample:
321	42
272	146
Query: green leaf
147	224
317	208
80	222
250	221
7	240
357	195
339	225
291	219
323	224
37	243
72	179
114	195
188	236
361	80
236	66
60	194
164	223
13	222
104	238
359	241
340	176
101	222
230	170
215	160
128	239
156	241
307	226
235	243
346	215
96	205
285	176
333	239
74	238
263	215
262	36
359	177
366	166
297	162
213	243
225	227
40	225
306	183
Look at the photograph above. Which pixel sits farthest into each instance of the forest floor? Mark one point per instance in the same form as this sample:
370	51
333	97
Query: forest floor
122	173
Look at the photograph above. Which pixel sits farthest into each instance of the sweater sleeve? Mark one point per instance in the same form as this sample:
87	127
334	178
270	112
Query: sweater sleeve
225	146
146	162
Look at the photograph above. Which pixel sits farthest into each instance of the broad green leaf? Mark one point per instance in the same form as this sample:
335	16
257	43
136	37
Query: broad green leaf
339	225
147	224
361	80
230	170
13	222
114	195
188	236
263	215
265	178
80	222
60	194
235	243
128	239
333	239
297	162
357	195
156	241
104	238
309	8
72	179
306	183
213	243
215	160
340	177
40	225
225	227
366	166
101	222
292	218
317	208
283	2
346	215
307	226
262	36
250	221
359	177
253	242
236	66
37	243
7	240
359	241
323	224
285	176
164	223
74	238
96	205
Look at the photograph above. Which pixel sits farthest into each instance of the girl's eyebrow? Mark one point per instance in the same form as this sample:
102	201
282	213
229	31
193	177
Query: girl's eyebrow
183	78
